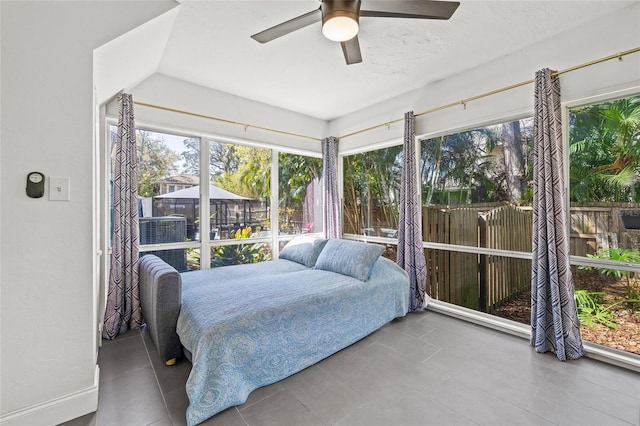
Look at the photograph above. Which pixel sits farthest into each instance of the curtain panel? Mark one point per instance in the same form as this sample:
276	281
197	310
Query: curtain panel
331	210
410	255
554	319
123	309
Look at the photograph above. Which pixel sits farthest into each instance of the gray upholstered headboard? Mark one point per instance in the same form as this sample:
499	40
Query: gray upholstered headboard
160	297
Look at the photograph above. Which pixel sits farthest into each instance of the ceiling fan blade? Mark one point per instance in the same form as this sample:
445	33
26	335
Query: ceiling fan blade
288	26
351	51
417	9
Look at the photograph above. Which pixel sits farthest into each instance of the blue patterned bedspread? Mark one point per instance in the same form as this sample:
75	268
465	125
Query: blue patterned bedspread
252	325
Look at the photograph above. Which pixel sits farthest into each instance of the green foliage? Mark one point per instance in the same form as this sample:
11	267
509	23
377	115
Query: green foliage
296	172
240	253
625	256
619	255
605	151
254	172
155	162
372	182
591	311
474	163
193	258
249	172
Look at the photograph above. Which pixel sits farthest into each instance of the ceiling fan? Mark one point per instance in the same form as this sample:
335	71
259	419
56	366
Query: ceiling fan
340	19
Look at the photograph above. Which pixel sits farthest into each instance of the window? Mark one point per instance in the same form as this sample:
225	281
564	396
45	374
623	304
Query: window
476	192
239	226
162	220
604	193
372	192
239	197
300	194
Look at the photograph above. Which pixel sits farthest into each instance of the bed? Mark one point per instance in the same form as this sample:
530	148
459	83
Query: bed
248	326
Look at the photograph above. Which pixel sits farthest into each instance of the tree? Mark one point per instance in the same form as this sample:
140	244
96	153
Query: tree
372	189
296	173
453	164
514	160
156	161
191	156
485	164
245	171
223	158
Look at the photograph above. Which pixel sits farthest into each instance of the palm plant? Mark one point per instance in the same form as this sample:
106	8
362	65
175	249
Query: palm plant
605	138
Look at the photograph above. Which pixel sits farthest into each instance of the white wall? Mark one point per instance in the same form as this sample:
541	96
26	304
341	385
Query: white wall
48	365
181	95
615	33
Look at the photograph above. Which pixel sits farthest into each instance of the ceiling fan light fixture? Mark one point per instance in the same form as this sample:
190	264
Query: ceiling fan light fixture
341	26
341	20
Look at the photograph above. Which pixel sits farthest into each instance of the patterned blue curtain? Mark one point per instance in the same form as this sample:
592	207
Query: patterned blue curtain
554	319
410	252
123	300
331	210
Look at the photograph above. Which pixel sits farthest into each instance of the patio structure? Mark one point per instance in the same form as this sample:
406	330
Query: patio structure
228	211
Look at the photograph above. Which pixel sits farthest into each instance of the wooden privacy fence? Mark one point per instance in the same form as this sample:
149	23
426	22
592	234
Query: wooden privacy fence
598	225
477	281
483	282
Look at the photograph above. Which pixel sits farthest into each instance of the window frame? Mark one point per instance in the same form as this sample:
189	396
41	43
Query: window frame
204	245
566	111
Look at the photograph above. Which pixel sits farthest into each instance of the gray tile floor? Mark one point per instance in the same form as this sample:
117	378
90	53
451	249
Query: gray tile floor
426	369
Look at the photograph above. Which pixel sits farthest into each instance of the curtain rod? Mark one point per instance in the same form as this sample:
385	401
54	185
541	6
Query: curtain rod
224	120
463	102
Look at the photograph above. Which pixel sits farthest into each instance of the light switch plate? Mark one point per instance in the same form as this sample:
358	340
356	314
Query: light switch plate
59	189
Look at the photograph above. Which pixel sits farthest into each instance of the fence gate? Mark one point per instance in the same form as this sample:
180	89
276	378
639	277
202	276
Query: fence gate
504	228
452	276
478	282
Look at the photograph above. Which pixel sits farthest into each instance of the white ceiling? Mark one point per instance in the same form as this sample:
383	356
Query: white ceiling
210	45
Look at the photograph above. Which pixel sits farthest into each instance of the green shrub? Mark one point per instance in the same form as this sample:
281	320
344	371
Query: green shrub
626	256
591	310
238	254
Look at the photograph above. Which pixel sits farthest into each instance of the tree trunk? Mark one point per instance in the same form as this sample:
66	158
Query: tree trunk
513	159
435	173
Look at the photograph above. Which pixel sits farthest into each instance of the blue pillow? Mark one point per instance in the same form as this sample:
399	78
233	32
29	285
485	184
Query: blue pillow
352	258
303	249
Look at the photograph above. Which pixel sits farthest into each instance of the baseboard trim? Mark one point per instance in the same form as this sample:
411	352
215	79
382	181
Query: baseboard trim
58	410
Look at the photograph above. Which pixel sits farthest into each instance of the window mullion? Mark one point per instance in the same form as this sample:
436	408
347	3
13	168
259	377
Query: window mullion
205	223
274	201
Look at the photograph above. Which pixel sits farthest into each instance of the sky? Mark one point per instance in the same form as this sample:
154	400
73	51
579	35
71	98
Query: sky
174	142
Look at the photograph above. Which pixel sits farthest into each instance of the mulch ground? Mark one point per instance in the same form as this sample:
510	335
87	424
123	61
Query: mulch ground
625	336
